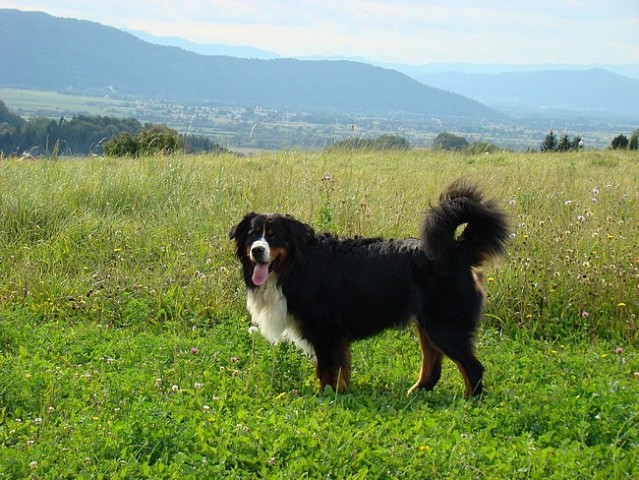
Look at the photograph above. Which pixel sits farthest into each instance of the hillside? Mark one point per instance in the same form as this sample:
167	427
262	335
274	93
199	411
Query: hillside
73	56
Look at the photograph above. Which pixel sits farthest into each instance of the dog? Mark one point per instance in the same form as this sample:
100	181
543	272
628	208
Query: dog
323	292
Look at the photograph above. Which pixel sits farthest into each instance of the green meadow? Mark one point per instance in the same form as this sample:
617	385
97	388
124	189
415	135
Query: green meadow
124	342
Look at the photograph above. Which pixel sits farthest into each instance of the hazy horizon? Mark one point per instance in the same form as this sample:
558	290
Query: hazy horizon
412	32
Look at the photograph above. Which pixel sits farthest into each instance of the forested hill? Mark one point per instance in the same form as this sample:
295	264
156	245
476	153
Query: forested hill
40	51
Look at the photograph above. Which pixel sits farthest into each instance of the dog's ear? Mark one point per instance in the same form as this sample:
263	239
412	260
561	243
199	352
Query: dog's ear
243	227
299	233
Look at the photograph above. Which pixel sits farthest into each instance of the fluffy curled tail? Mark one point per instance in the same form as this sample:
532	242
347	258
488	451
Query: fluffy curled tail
483	237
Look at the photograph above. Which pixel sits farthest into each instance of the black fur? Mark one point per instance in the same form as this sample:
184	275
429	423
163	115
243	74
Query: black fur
341	290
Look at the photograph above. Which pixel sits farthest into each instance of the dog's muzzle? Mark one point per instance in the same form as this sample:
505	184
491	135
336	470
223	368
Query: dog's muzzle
260	252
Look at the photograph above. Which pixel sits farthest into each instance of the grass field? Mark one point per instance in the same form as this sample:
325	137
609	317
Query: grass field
54	104
124	343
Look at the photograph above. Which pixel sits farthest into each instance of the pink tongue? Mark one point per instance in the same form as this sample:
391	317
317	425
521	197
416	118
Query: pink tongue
260	274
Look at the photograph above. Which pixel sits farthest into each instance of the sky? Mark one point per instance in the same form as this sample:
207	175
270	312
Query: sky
413	32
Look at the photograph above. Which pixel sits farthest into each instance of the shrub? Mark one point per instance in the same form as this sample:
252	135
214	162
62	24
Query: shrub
150	141
478	148
383	142
449	141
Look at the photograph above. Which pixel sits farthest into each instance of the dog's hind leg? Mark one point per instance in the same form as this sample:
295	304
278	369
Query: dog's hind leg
461	351
472	370
333	364
431	362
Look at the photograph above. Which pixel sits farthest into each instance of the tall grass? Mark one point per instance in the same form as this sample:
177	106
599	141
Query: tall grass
124	350
86	238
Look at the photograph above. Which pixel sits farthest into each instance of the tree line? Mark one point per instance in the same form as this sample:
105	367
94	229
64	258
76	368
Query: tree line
621	142
552	143
88	135
450	141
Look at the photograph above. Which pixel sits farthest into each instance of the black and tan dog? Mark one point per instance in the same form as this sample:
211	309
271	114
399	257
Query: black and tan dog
324	292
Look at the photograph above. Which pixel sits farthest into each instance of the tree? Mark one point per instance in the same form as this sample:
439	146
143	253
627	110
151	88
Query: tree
449	141
564	143
392	142
158	139
199	144
85	134
550	143
634	141
10	119
122	146
10	126
150	141
620	142
576	143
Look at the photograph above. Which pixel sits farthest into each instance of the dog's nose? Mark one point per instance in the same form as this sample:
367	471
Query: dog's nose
258	251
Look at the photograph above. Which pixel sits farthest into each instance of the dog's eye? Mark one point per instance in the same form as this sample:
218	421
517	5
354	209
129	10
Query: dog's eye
270	233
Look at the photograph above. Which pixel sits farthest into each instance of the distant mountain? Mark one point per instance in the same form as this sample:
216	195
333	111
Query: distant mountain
39	51
608	90
594	91
630	70
240	51
598	90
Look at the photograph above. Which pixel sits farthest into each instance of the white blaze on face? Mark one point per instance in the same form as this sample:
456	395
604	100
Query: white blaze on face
260	255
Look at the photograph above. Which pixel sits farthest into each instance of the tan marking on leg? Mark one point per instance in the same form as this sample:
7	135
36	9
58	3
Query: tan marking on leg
431	360
337	375
470	388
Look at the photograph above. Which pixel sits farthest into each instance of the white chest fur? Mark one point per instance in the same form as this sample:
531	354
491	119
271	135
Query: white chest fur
269	312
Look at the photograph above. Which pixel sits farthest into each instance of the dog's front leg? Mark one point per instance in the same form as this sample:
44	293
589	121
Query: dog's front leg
333	364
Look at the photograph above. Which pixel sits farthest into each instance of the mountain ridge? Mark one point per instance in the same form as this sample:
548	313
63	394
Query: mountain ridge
211	49
505	87
597	91
630	70
78	56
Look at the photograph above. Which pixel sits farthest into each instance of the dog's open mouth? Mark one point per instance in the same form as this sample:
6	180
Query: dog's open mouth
262	269
260	273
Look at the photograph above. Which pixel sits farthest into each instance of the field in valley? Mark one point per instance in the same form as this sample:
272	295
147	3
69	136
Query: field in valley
246	128
124	343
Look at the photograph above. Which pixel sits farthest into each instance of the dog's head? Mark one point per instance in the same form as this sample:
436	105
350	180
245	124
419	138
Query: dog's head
268	243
